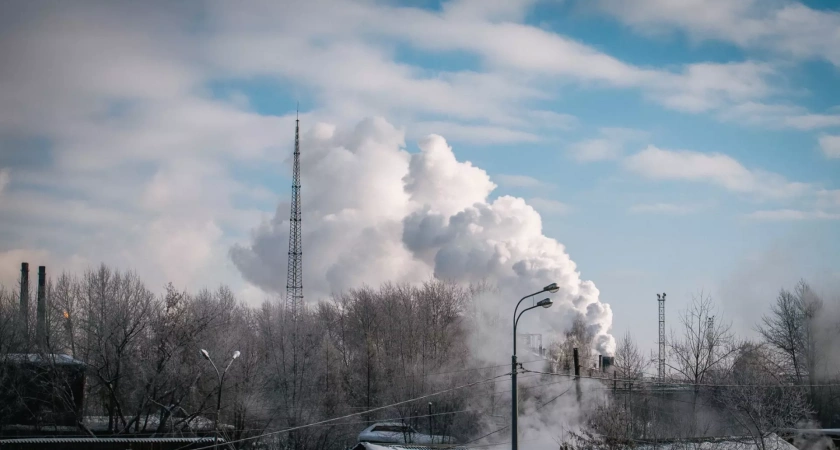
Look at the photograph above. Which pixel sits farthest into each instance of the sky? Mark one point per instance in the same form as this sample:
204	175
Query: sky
625	147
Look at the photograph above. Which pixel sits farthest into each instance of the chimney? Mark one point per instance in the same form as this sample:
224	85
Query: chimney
24	300
41	330
608	362
600	362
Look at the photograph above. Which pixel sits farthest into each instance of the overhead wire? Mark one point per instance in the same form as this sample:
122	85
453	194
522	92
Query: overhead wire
508	426
359	413
677	383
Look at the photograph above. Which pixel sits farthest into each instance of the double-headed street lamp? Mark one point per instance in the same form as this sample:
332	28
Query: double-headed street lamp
514	415
221	378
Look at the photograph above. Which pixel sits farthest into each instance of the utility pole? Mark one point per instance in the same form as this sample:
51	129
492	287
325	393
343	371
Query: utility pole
661	300
430	419
577	373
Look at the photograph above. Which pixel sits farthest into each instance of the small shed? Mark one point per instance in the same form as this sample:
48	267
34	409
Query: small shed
47	389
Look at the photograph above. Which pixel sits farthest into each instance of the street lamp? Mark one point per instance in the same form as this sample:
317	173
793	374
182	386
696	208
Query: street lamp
514	414
221	378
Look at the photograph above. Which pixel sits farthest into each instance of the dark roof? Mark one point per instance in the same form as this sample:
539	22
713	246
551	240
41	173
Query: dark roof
37	358
93	440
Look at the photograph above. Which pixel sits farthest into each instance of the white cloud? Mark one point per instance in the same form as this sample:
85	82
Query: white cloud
792	214
552	120
609	146
596	150
830	145
785	27
475	134
4	179
390	215
828	198
812	121
713	168
499	43
665	208
549	206
520	181
141	148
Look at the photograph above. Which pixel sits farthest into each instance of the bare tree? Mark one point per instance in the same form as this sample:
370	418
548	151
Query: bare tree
580	337
706	343
802	336
785	330
629	363
758	400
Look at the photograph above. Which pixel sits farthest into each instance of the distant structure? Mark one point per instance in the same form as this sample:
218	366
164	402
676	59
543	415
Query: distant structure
24	301
41	311
661	300
294	276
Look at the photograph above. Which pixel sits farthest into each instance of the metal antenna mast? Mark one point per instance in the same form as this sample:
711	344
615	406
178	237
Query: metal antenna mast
661	300
294	276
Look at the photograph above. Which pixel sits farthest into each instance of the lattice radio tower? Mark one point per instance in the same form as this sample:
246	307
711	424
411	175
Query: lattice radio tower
661	300
294	277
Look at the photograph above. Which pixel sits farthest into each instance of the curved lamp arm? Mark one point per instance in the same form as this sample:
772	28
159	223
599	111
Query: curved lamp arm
553	288
206	356
523	312
522	300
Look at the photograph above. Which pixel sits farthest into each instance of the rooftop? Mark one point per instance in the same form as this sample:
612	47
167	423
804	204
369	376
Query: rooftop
37	358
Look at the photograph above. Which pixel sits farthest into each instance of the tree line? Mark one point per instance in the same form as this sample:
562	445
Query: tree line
370	347
356	351
718	384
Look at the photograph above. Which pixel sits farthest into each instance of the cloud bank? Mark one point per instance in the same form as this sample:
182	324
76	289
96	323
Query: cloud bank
373	212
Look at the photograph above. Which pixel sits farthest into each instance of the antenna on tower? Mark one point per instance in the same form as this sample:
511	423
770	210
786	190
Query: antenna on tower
294	275
661	300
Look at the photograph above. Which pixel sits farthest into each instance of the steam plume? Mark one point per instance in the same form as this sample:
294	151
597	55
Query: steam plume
373	212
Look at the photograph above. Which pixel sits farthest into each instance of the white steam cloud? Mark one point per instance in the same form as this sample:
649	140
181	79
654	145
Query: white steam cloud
373	212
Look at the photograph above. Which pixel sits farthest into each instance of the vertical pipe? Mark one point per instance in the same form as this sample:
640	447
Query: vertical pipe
430	421
24	301
41	330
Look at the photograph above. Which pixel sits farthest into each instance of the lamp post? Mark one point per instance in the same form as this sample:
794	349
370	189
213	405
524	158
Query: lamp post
514	414
221	378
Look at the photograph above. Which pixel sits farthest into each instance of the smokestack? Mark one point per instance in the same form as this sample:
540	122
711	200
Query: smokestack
600	362
41	330
24	300
608	362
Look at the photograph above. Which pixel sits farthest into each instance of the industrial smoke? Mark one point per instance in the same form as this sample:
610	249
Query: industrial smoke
374	212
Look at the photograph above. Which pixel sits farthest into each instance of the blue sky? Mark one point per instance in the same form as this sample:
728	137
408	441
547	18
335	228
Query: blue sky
670	146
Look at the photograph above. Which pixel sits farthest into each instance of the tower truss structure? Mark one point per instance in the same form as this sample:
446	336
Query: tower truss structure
294	275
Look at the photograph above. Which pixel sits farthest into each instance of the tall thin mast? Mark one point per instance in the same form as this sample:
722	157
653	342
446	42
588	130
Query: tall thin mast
294	277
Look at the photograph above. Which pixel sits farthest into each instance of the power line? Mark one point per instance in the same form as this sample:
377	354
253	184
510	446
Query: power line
672	383
361	412
508	426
